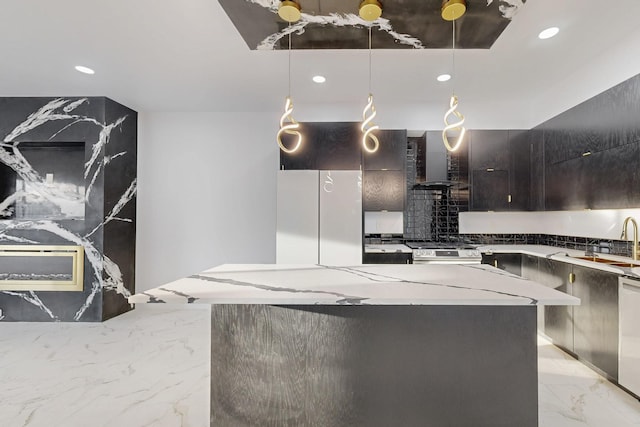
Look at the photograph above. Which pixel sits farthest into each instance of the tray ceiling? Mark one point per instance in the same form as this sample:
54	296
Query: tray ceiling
335	24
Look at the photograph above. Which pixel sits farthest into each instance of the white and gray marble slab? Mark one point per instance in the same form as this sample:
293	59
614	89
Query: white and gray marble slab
380	284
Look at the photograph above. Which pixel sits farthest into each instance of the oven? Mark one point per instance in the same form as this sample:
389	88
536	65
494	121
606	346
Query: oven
444	253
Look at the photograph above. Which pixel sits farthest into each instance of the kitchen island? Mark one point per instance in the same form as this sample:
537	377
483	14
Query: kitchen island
368	345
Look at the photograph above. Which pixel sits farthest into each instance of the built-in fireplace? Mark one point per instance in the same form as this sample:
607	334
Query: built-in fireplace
41	268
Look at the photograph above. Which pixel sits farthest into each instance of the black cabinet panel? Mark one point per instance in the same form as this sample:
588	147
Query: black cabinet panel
537	172
387	258
326	146
519	169
558	320
391	154
507	262
603	122
383	190
489	149
490	190
596	318
601	180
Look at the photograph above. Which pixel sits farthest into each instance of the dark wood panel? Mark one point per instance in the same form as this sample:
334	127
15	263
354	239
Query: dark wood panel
537	180
373	366
392	153
519	170
387	258
558	320
489	149
596	319
383	190
606	179
490	190
326	146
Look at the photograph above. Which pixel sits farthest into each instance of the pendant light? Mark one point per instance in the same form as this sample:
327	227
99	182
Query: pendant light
370	10
290	12
451	11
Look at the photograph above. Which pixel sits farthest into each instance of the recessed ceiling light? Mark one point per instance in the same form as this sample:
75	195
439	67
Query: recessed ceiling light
444	77
548	33
319	79
84	69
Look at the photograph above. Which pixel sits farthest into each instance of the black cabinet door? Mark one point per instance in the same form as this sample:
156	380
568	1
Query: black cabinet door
596	319
507	262
387	258
326	146
558	320
519	170
489	149
383	190
490	191
392	153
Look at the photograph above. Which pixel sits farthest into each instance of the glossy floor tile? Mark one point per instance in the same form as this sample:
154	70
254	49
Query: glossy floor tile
570	394
150	367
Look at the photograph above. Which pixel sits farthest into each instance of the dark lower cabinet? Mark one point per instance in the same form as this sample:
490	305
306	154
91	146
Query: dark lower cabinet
508	262
387	258
529	270
558	319
589	330
595	320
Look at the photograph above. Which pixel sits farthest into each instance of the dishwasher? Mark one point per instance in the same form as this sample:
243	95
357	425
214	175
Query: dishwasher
629	354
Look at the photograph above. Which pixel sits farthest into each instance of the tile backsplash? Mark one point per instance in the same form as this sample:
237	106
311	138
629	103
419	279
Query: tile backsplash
587	244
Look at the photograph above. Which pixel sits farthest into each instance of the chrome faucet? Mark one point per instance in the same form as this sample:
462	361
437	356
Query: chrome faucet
635	235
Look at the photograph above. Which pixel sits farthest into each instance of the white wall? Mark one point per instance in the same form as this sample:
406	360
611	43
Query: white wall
597	224
206	193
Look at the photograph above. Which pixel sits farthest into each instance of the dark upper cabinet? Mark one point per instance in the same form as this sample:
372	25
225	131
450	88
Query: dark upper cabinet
490	190
392	153
519	170
383	190
500	170
326	146
489	149
591	152
603	179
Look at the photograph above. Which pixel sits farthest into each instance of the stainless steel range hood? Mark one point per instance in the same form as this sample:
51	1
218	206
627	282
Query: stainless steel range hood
431	162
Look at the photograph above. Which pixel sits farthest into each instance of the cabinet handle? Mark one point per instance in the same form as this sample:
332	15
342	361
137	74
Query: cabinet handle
572	277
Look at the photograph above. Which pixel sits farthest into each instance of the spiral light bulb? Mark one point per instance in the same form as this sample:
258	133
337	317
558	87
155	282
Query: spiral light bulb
289	126
368	127
455	126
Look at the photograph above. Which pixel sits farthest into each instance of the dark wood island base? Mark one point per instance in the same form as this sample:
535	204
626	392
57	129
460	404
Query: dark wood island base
374	365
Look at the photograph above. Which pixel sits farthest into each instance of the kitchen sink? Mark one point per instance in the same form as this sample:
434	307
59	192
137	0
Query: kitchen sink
615	263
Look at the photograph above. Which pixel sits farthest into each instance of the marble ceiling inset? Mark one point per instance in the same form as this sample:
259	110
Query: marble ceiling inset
335	24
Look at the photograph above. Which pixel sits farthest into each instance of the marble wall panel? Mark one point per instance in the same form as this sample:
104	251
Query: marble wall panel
60	121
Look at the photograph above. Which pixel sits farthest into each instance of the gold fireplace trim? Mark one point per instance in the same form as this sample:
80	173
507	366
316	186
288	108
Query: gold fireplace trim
77	275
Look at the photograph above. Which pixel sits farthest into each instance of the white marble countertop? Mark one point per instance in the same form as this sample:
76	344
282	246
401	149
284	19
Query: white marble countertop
387	248
567	255
379	284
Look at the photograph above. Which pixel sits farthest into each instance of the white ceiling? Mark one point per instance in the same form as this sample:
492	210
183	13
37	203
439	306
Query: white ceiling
186	56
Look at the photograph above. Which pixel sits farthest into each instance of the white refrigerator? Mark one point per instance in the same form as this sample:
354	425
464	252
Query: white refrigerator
319	218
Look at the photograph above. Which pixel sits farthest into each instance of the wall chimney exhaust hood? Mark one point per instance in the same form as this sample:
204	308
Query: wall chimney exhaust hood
431	163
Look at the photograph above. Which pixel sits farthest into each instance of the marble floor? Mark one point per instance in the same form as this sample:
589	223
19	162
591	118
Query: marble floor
150	367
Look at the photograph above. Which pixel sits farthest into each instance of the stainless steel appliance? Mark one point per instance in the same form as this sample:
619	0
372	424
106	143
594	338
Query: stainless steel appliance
444	253
629	355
